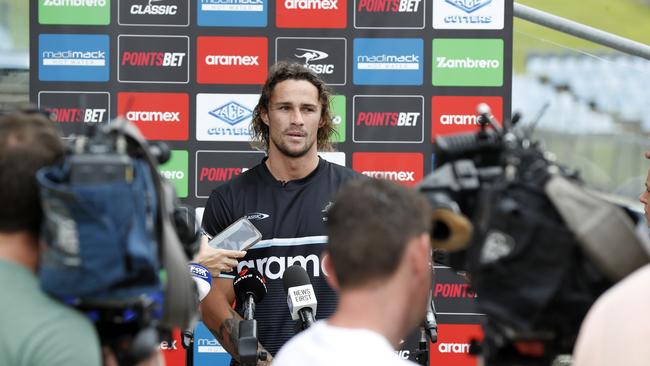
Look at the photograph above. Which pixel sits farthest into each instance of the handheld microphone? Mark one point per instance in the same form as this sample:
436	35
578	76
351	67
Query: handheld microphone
202	279
250	288
300	295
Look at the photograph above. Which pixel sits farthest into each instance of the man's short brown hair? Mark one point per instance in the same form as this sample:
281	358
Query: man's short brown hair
369	227
282	71
27	143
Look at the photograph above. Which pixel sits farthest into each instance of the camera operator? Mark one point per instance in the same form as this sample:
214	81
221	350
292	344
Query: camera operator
617	328
37	330
380	260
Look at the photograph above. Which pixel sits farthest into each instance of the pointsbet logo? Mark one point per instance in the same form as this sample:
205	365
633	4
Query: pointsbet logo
451	114
232	60
311	13
176	169
73	57
402	168
468	14
467	62
153	59
71	110
167	13
224	117
388	119
77	12
214	168
389	14
159	116
232	13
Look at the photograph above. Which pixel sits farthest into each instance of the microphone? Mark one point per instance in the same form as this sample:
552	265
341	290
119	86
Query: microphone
202	279
250	288
300	295
486	117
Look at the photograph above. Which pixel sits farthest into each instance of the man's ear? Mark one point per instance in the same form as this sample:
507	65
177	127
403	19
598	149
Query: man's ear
328	270
420	255
264	115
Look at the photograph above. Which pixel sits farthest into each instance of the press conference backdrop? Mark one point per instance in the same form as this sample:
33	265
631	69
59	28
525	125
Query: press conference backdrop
189	72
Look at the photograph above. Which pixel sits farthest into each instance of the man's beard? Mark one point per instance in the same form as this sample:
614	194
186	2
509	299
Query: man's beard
284	149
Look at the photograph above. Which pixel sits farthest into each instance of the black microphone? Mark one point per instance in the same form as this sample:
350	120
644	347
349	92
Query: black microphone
300	295
250	288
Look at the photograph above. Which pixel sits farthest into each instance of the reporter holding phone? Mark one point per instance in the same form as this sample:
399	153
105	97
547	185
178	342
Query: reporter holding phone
286	197
217	260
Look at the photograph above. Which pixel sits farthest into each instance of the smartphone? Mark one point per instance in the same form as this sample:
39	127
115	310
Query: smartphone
240	235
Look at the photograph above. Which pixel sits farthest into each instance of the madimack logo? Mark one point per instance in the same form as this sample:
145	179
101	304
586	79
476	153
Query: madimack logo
452	115
402	168
159	116
153	12
389	14
388	61
73	57
153	59
311	13
224	117
70	110
324	56
213	168
232	13
231	60
388	119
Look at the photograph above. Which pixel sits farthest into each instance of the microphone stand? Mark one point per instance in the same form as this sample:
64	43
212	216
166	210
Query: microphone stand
428	331
247	342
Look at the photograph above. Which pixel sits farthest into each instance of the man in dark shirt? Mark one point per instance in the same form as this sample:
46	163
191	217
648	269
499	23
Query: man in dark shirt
286	197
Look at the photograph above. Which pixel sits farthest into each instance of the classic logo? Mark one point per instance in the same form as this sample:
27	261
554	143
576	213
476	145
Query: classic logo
311	13
232	13
167	13
213	168
388	119
176	170
467	62
224	117
402	168
153	59
77	12
72	110
389	14
256	216
324	56
231	60
159	116
388	61
472	14
452	347
73	57
452	115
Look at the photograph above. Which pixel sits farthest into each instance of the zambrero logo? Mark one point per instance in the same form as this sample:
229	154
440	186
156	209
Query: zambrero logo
403	168
75	3
467	63
159	116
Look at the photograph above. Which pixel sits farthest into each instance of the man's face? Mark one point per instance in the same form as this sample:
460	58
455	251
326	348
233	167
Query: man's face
645	199
293	117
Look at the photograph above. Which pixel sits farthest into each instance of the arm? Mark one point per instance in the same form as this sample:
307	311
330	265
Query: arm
222	320
217	260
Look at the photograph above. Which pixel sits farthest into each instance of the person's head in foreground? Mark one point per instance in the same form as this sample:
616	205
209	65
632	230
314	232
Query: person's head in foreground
379	259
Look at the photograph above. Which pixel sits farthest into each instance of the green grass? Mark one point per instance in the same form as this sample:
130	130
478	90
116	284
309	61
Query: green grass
626	18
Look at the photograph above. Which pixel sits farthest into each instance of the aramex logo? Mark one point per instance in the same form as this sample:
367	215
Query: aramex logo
391	175
458	119
232	60
149	116
311	4
453	347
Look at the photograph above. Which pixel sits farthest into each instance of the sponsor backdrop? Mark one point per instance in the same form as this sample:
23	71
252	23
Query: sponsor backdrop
188	72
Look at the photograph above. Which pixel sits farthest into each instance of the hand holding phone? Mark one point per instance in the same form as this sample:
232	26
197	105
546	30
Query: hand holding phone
240	235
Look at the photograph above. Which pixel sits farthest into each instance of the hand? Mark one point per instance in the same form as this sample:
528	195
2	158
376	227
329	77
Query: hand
268	360
217	260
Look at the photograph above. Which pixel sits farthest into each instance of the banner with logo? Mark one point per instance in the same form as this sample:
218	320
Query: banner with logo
189	72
